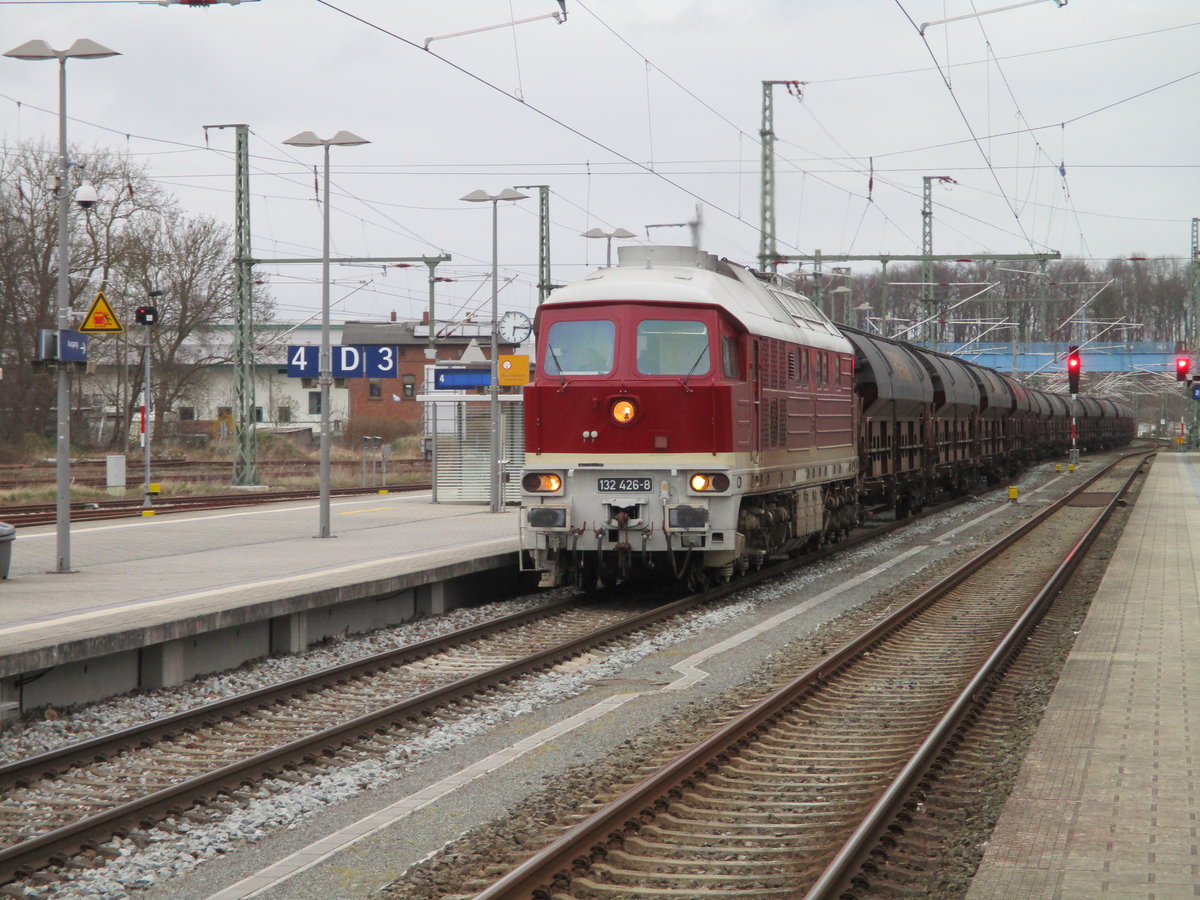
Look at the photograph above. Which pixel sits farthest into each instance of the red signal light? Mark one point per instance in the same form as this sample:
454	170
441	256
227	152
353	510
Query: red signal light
1074	366
1183	365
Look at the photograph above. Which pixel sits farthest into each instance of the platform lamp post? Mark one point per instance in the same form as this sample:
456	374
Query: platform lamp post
38	50
496	503
608	236
341	139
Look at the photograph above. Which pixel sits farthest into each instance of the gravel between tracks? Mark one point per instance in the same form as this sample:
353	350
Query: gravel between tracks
155	857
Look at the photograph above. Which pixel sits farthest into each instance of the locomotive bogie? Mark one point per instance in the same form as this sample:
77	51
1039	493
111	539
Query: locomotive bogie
715	518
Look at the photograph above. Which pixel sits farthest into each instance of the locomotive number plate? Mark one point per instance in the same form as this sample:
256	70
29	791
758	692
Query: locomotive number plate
623	484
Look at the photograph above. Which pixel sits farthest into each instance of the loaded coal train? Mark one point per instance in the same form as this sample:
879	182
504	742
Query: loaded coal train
689	418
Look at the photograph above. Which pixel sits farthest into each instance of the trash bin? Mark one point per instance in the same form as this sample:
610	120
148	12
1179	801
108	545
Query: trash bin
8	534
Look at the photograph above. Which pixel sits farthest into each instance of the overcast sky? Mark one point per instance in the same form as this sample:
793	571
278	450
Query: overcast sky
636	114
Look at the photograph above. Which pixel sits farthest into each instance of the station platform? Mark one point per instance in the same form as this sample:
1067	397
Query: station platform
1107	802
159	599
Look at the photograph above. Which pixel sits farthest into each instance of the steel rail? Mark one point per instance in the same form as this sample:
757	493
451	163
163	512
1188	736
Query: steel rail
42	514
60	842
575	849
847	863
62	758
55	844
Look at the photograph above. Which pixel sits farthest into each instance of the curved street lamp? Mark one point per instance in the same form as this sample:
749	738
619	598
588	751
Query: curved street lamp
39	50
341	139
620	233
496	504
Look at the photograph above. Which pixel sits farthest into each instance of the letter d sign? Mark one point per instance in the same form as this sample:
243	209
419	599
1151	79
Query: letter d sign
347	362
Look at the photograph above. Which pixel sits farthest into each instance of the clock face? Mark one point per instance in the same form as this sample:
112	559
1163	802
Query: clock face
514	327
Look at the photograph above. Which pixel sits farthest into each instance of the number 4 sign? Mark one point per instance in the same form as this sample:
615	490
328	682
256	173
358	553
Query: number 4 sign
303	361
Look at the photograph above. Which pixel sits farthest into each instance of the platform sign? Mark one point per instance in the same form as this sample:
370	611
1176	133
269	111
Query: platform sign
1195	390
512	369
303	361
381	362
72	347
349	361
101	318
62	345
460	379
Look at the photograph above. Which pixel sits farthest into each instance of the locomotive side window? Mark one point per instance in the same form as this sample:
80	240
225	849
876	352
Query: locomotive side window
580	348
730	364
672	347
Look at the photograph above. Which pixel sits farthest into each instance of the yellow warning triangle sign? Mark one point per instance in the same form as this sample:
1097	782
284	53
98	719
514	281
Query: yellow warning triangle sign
101	318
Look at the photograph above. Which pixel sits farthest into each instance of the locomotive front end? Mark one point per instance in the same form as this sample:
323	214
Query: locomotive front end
684	421
627	462
597	523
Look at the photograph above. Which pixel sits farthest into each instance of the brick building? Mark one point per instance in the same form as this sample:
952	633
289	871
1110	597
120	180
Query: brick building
389	406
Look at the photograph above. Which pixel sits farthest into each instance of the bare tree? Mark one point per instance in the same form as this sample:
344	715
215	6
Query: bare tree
134	241
29	263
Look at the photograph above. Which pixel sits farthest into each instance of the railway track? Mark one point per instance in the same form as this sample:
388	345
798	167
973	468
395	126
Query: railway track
64	801
809	791
61	809
92	472
45	513
72	800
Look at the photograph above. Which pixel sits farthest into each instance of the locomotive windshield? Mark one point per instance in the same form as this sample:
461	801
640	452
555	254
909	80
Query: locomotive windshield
580	348
672	347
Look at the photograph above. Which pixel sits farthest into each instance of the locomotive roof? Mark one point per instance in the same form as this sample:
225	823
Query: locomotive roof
688	276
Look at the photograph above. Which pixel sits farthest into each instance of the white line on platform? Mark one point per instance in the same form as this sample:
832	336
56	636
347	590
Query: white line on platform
90	615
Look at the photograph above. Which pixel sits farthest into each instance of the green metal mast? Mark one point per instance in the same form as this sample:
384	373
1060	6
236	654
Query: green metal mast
927	298
766	134
544	284
245	447
1193	438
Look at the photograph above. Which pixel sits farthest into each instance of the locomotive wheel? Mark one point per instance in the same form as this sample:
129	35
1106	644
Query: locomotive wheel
586	577
697	579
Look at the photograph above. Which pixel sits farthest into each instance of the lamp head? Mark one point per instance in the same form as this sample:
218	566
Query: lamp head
83	48
341	139
482	196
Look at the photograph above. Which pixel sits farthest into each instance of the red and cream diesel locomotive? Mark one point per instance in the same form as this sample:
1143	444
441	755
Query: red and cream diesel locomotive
690	418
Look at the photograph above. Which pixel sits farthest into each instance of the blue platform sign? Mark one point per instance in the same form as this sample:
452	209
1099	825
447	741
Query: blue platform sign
460	379
72	347
381	362
62	345
1195	390
303	361
349	361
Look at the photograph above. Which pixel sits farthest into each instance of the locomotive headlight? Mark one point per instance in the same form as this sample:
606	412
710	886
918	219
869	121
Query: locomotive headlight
623	411
541	482
705	482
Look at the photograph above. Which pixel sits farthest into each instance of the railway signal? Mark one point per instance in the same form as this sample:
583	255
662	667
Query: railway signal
147	315
1074	365
1183	365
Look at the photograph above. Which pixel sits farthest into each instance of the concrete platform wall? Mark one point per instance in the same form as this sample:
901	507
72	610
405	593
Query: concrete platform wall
176	661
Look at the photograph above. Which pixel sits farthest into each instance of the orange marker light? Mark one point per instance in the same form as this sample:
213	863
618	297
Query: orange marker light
623	411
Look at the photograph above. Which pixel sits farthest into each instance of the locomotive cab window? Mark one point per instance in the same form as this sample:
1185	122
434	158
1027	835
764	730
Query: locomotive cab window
672	347
580	348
